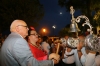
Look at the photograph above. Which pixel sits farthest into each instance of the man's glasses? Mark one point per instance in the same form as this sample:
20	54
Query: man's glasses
23	26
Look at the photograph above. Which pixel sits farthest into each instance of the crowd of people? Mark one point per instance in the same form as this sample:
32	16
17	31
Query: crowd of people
25	47
2	38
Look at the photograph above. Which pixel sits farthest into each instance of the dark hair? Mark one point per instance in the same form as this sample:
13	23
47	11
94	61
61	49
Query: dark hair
73	34
45	38
80	34
94	31
30	29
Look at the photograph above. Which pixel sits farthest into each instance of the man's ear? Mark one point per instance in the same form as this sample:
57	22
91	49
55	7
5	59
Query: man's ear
17	29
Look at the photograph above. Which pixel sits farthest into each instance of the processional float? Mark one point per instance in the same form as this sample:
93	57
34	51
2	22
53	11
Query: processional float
92	42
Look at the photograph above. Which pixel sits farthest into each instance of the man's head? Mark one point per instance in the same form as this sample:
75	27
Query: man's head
20	27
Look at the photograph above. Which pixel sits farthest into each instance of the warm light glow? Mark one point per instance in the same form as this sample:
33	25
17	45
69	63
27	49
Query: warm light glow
44	30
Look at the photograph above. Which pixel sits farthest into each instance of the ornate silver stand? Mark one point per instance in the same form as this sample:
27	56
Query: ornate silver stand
92	42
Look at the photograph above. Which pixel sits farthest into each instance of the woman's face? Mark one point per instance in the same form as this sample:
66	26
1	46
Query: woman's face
33	36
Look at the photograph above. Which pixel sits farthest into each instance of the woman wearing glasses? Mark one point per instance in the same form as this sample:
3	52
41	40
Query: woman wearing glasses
36	50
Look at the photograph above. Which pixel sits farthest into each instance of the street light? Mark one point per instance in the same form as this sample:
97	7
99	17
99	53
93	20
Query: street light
53	26
44	31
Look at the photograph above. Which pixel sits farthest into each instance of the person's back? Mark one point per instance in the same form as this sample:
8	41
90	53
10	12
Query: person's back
7	50
46	47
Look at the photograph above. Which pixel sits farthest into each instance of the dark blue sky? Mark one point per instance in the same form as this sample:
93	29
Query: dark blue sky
52	17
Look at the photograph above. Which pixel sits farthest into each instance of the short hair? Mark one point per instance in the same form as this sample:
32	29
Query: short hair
14	24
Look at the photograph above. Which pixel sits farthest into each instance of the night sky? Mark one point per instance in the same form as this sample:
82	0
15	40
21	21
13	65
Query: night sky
52	17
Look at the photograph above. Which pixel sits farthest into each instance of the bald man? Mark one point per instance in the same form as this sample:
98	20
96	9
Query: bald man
15	50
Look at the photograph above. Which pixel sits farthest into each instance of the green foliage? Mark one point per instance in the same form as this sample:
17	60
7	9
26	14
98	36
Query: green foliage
97	18
64	32
30	11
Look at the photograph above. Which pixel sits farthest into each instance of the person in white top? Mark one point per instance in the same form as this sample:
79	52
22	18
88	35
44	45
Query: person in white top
90	59
68	59
71	56
87	57
45	45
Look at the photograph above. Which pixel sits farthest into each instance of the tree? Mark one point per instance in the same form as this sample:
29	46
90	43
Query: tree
63	32
97	18
30	11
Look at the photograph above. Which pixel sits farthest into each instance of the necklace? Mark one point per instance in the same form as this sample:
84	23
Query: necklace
39	47
35	46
